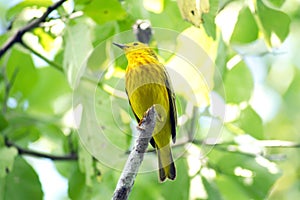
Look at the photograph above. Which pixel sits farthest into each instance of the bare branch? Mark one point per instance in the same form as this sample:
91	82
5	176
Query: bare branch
136	156
23	151
17	37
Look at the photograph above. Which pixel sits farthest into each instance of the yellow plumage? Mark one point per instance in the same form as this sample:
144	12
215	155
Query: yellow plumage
147	83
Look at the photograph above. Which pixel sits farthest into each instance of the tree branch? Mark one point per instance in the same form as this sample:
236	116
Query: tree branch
23	151
17	37
136	156
224	145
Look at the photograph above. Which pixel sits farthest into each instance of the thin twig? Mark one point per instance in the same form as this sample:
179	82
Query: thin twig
55	65
8	86
136	156
223	145
193	122
17	37
23	151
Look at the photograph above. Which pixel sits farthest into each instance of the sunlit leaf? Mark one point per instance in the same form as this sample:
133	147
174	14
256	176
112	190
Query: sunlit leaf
211	188
103	32
102	189
51	94
273	21
99	130
277	3
192	10
251	122
22	130
220	63
191	69
245	177
209	19
238	84
7	158
181	186
85	163
245	29
156	6
21	64
13	11
292	95
151	189
45	39
102	11
77	49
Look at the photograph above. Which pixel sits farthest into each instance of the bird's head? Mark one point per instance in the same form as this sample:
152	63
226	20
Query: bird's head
135	49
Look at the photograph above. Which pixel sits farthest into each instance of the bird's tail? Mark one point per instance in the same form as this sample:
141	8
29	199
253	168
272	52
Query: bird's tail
166	164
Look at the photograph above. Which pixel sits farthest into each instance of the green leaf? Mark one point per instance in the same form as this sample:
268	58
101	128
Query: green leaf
211	189
51	94
209	19
7	158
103	32
228	183
277	3
54	137
78	47
238	84
21	183
13	11
102	11
245	177
3	122
273	22
71	142
246	29
101	188
78	190
147	186
100	129
39	91
86	164
292	97
22	130
220	63
2	143
251	123
181	186
192	11
26	78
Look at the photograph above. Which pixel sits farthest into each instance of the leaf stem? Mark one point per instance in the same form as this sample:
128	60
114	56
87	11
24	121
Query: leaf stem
51	63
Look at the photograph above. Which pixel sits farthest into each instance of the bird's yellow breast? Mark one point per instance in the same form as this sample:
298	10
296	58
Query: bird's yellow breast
145	86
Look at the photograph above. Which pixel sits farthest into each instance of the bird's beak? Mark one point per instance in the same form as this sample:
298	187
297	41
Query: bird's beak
122	46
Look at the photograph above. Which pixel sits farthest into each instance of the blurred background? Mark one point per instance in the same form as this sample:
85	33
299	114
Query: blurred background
66	126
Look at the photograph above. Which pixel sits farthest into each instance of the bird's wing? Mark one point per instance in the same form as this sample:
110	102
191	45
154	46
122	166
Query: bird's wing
173	111
152	142
137	118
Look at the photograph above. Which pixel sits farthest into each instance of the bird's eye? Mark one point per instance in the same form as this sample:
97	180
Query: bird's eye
135	43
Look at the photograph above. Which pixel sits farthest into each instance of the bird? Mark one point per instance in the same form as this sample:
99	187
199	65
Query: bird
147	83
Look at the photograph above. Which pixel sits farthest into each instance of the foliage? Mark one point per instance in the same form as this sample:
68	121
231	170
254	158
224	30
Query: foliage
62	97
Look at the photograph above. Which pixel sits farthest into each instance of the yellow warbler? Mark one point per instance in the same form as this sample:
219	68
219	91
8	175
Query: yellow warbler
147	83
